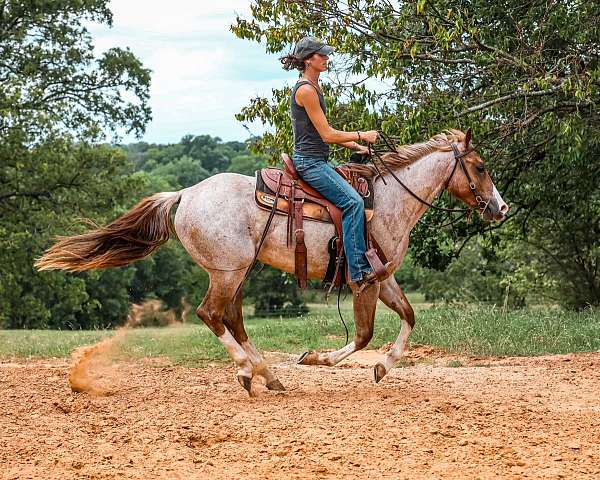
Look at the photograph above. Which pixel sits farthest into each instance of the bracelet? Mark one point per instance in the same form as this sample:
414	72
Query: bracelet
358	133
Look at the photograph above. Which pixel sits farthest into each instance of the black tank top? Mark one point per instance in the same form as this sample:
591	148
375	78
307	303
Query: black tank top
307	140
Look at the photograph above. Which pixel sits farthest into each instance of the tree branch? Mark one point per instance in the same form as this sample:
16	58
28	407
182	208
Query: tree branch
511	96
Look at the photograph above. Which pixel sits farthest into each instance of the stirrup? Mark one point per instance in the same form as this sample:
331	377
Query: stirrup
372	277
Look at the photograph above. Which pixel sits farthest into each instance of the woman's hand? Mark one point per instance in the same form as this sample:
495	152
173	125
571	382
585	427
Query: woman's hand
362	150
370	136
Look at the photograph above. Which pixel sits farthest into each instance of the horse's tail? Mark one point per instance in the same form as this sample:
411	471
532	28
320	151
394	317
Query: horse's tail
130	237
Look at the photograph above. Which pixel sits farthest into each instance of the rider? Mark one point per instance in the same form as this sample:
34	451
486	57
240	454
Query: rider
312	134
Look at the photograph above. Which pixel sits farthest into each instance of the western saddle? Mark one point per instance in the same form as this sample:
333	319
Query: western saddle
284	192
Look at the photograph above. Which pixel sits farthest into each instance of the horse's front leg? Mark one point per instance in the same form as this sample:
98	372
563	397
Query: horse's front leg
392	295
364	317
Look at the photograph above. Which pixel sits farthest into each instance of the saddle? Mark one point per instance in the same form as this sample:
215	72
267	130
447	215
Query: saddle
284	192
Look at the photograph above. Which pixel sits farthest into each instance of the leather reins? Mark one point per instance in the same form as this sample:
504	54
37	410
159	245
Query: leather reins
482	205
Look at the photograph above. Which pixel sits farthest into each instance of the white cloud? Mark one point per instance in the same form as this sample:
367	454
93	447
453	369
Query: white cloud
176	16
202	74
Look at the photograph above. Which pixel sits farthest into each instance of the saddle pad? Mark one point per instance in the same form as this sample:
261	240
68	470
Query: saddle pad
265	197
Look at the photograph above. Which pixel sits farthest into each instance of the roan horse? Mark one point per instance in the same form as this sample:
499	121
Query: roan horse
220	226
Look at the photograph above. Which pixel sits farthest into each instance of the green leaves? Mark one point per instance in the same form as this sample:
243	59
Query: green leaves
521	75
57	100
53	81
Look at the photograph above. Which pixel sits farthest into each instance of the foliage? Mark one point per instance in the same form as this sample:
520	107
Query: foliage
274	293
57	99
480	275
558	254
525	76
51	80
100	182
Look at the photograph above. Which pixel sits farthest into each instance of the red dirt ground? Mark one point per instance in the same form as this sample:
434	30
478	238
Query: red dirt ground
490	418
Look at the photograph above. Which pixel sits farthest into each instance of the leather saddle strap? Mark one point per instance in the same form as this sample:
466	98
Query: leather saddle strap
291	201
263	237
339	274
376	264
373	243
373	256
336	218
300	253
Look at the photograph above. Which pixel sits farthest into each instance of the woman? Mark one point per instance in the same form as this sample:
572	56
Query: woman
312	134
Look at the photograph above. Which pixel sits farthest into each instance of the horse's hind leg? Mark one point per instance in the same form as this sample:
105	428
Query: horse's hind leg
234	321
364	318
212	311
392	295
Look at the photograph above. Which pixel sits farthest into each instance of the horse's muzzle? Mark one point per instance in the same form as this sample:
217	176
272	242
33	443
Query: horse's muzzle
496	210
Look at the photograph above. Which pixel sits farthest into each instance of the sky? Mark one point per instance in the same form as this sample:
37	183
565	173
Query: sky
202	74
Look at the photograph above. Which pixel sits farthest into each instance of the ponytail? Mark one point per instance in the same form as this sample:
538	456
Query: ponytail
291	61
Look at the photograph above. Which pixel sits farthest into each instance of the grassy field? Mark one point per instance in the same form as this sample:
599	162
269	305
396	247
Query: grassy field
472	330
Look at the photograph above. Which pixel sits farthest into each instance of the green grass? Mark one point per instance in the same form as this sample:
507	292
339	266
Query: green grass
472	330
454	364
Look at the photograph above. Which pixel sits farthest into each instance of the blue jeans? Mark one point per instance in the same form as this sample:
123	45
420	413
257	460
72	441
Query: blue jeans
323	178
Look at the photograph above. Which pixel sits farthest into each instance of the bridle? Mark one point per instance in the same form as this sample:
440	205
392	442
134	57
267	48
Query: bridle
482	205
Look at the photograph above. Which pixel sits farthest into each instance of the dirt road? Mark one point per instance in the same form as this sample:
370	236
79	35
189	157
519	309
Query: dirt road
488	418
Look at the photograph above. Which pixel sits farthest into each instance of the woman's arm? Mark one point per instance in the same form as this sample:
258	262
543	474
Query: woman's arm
352	145
357	147
306	96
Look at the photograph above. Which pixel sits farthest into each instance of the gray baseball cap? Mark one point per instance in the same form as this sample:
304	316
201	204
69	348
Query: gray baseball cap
309	45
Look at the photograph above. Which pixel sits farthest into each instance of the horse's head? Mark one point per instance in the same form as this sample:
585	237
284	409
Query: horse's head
471	182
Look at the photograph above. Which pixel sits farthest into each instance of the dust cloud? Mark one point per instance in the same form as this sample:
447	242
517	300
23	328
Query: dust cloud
95	370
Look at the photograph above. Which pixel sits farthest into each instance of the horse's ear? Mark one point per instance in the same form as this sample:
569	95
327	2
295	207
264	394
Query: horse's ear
468	137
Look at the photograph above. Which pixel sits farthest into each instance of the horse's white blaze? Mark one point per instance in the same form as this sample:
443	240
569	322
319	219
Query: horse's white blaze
237	353
502	206
397	350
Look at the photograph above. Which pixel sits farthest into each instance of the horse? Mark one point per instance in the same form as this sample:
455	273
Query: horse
220	226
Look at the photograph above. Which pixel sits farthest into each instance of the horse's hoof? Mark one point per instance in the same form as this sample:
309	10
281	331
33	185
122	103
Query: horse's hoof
276	385
378	372
245	382
301	360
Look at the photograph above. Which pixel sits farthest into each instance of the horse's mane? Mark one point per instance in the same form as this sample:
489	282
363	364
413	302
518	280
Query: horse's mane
408	154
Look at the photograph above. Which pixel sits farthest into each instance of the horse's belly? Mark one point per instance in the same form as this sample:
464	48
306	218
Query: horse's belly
316	237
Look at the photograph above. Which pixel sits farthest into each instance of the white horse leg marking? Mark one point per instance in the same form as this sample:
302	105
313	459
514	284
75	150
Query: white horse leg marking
397	350
328	358
237	353
333	358
364	317
260	367
392	295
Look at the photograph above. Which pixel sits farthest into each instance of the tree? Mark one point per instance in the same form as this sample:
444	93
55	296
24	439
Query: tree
274	293
247	164
57	101
524	75
100	184
558	252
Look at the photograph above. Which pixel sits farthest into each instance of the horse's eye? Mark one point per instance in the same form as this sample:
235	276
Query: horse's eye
480	168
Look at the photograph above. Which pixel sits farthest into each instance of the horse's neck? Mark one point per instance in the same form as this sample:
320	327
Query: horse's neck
396	210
